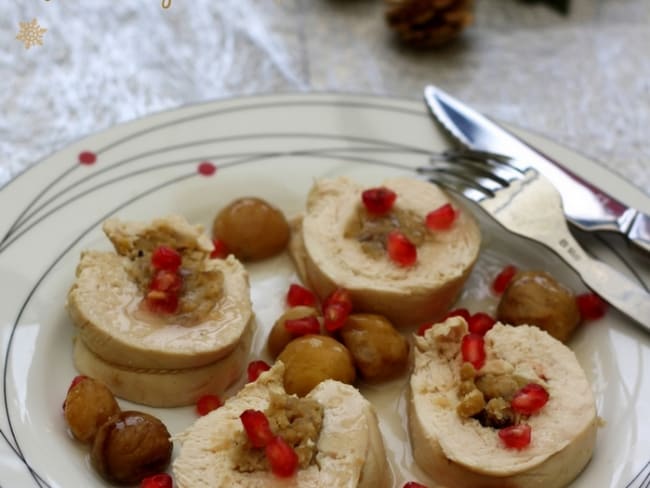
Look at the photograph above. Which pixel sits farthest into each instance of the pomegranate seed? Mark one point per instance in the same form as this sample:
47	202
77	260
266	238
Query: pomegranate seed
220	250
162	302
162	480
255	369
336	308
208	403
458	312
87	157
299	295
341	297
424	327
529	399
206	168
282	458
166	280
516	436
302	326
164	257
400	250
257	427
378	201
414	484
441	218
472	348
334	316
502	280
591	306
480	323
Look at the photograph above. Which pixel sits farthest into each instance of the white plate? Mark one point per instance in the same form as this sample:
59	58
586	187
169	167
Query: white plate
272	147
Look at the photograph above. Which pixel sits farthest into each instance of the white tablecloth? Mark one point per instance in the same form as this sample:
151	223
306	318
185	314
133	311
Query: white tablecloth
583	80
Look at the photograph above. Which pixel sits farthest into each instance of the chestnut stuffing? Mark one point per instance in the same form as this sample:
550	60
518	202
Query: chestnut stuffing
297	420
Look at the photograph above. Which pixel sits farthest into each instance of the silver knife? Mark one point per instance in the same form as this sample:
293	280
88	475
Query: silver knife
586	206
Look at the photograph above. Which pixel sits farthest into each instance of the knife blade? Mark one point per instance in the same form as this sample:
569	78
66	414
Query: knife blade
586	206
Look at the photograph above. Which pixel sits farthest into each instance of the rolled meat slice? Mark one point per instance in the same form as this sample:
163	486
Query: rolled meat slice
459	450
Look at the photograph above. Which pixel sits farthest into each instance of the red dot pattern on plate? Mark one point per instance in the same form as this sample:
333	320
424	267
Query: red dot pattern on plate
206	168
87	157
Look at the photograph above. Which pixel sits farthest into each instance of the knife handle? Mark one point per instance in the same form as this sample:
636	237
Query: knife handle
639	233
614	287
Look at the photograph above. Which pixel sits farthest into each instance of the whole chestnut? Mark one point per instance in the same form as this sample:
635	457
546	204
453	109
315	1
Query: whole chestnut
251	229
379	351
536	298
130	447
88	404
311	359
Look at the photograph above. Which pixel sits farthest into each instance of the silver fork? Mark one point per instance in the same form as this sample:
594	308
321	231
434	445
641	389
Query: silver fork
526	203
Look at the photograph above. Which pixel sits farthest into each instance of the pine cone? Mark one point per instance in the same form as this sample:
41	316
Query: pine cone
428	23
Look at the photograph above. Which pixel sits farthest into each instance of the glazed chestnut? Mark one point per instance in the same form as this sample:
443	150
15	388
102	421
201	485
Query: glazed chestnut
536	298
131	446
311	359
88	404
251	229
379	351
279	336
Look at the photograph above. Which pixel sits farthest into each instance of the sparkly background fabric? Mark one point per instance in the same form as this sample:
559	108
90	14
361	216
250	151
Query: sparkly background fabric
583	80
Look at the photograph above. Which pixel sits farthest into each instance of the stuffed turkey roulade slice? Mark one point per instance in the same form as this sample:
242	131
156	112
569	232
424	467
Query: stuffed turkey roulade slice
160	308
402	250
333	431
511	409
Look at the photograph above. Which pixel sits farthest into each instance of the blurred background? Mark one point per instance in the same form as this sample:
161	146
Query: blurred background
581	78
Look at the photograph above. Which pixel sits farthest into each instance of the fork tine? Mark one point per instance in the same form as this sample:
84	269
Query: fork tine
487	184
478	170
483	157
463	186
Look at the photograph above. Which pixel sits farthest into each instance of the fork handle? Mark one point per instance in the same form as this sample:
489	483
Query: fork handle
610	284
639	233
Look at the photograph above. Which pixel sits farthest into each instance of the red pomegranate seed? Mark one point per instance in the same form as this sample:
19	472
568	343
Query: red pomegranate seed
334	316
162	480
166	258
336	308
162	302
424	327
282	458
591	306
220	250
166	280
502	280
255	369
400	250
378	201
472	348
480	323
257	427
299	295
458	312
441	218
529	399
516	436
208	403
341	297
206	168
87	157
302	326
414	484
